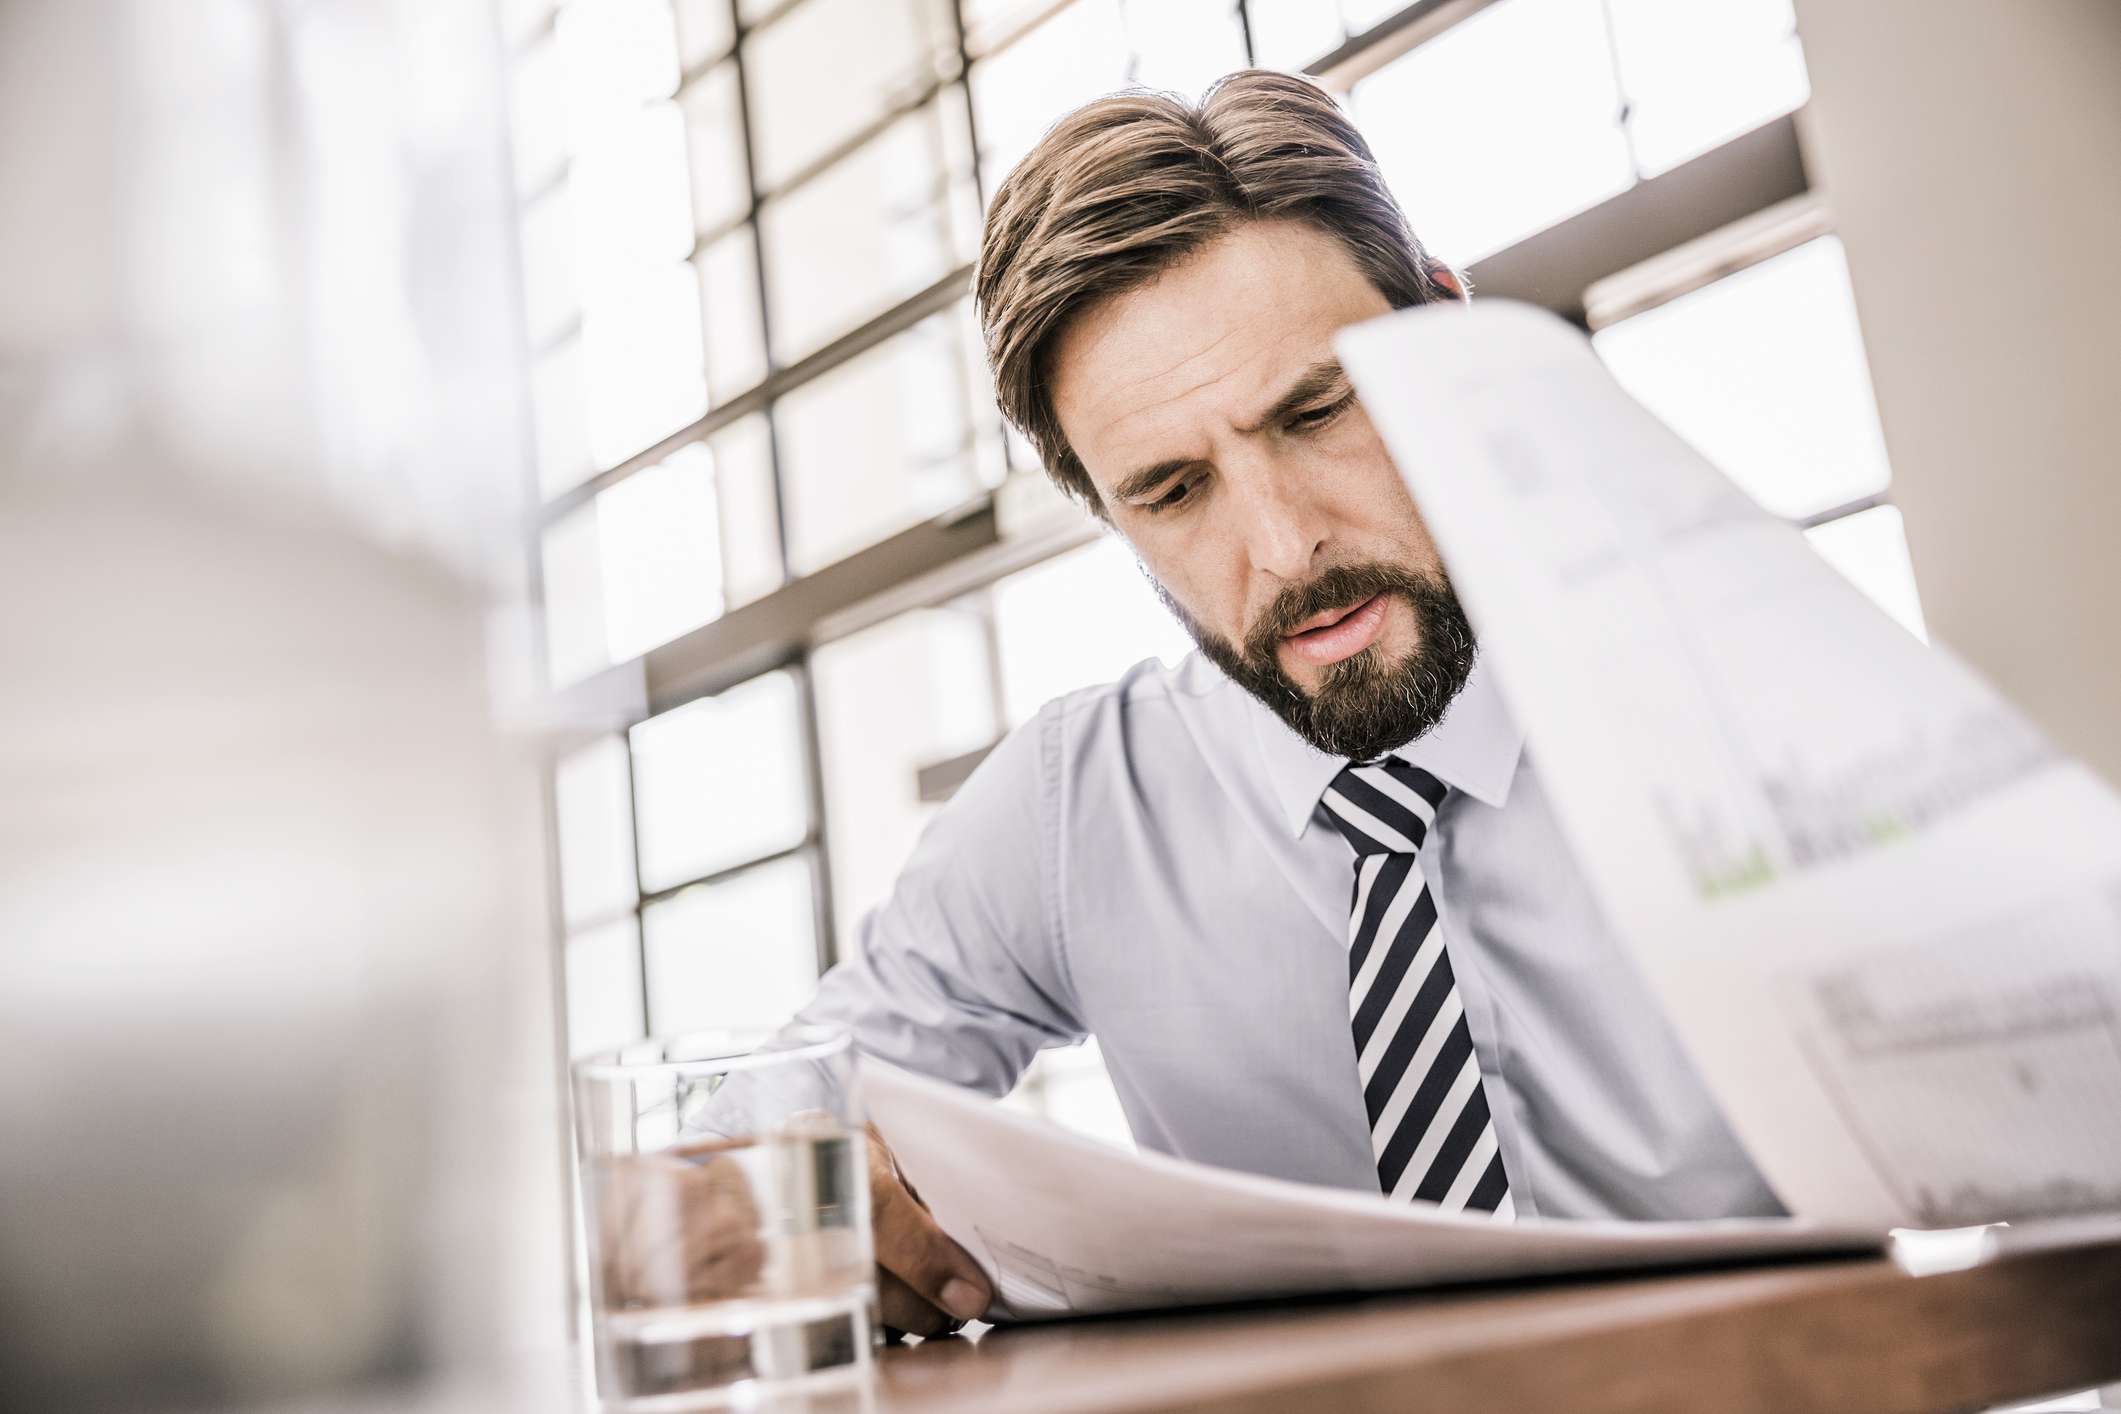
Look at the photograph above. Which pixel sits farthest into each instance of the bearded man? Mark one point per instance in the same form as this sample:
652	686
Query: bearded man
1305	888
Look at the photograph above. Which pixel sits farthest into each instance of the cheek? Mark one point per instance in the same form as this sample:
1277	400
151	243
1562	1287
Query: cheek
1203	571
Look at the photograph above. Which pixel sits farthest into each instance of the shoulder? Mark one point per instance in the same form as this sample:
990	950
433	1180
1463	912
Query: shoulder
1147	695
1084	770
1154	728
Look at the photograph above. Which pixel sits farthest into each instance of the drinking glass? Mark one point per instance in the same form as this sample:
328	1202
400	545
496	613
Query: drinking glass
725	1200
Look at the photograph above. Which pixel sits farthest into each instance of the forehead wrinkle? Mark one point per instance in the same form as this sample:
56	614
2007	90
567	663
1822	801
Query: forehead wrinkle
1273	347
1194	357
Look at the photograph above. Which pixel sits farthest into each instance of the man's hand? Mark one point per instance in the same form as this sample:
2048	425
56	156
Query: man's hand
677	1228
925	1283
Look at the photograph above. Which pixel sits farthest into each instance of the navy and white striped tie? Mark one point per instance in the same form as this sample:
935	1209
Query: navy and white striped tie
1430	1130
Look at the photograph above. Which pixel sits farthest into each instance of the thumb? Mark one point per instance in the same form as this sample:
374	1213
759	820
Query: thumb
911	1246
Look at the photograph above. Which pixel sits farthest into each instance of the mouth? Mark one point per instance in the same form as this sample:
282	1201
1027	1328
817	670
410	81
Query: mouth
1337	633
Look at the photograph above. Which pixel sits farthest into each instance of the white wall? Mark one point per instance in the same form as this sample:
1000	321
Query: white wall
1971	154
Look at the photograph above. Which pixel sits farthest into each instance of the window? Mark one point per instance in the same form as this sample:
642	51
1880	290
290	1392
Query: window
661	562
1068	1085
538	116
1291	34
705	30
1288	34
721	781
576	641
1696	75
826	69
1530	111
1076	621
551	301
708	806
749	505
593	800
1182	45
561	434
730	315
643	359
912	692
878	226
619	54
604	988
1028	77
1763	371
714	147
738	952
1078	53
1500	126
631	201
593	807
645	562
879	442
524	21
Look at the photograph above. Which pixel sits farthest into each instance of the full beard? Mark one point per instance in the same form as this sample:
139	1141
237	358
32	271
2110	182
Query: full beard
1365	705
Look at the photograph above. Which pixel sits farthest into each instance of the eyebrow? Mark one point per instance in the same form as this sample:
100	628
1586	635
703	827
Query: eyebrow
1322	377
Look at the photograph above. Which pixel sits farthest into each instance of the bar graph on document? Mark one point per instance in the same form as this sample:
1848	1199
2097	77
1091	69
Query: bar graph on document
1971	1055
1913	778
1767	747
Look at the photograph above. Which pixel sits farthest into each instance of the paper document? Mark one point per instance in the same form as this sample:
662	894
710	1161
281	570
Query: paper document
1883	913
1066	1225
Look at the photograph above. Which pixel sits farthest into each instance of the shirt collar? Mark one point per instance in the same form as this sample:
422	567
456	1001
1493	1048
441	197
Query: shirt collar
1475	749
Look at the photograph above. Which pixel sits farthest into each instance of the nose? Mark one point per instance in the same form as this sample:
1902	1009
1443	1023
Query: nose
1284	528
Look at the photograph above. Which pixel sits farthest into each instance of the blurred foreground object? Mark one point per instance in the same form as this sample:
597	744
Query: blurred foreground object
274	1020
1968	152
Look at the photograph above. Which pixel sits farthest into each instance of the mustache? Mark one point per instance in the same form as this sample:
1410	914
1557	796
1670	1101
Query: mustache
1364	706
1341	587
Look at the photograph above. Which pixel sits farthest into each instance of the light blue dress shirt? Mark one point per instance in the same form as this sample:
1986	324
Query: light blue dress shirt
1148	862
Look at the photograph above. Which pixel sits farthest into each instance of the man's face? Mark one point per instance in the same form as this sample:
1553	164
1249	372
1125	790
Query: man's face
1228	447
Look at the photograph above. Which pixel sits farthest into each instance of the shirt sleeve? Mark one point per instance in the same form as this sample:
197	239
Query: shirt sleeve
959	975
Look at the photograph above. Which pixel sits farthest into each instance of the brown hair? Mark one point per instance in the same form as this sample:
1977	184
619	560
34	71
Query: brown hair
1129	184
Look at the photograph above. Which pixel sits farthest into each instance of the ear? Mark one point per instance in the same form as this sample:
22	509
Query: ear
1445	276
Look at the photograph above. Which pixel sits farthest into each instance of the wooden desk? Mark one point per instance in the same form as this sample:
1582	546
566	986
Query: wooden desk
1839	1335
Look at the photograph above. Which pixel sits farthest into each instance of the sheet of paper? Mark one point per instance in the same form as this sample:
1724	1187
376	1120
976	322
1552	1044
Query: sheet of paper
1883	912
1066	1225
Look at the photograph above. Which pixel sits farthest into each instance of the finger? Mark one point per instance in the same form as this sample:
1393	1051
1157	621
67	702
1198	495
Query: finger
723	1251
676	1230
911	1246
882	1159
901	1308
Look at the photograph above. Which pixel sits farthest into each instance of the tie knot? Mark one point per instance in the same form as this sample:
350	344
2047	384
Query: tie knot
1384	807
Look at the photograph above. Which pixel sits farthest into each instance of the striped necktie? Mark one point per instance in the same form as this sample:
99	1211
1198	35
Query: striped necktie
1430	1131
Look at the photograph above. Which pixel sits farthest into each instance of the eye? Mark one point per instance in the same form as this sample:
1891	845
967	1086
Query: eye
1320	416
1171	498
